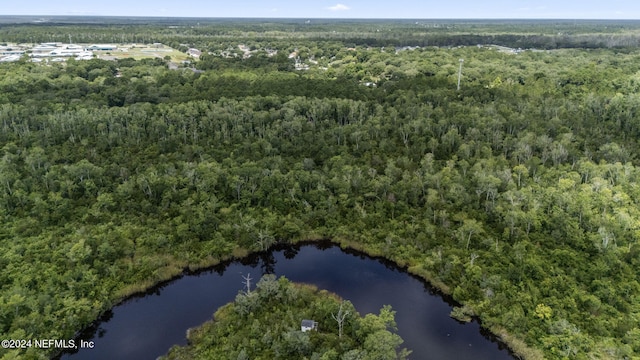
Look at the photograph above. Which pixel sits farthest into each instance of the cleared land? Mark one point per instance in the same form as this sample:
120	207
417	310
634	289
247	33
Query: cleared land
141	52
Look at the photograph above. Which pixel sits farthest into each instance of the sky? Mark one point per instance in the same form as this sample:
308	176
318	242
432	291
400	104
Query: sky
412	9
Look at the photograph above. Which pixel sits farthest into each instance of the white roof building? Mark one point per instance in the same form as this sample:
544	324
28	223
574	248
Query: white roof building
70	50
10	58
85	55
194	52
42	50
102	47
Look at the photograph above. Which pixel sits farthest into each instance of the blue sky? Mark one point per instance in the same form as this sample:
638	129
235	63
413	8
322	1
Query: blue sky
427	9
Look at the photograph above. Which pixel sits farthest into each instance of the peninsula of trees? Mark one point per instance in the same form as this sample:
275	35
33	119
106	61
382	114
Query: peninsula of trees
266	324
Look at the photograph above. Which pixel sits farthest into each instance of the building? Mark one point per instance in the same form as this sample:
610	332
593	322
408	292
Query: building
101	47
69	50
194	53
308	325
6	50
85	55
42	50
10	58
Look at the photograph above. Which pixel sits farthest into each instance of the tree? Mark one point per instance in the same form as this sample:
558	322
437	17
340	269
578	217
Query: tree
469	228
383	345
264	240
340	317
247	283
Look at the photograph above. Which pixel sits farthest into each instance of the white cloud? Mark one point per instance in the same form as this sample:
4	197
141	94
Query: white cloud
339	7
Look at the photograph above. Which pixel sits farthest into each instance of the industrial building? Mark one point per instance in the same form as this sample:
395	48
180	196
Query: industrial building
10	58
101	47
54	50
42	50
68	50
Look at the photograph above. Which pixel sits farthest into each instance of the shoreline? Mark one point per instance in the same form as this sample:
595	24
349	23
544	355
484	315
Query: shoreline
516	347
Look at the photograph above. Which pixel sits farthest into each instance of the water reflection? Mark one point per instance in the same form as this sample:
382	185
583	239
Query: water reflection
145	327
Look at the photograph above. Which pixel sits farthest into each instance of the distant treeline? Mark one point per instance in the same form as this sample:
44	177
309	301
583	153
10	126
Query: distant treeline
199	32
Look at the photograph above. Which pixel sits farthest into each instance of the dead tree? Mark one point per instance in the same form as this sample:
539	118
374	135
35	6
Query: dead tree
247	283
339	318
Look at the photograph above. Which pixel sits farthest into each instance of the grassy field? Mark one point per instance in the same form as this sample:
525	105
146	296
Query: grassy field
141	52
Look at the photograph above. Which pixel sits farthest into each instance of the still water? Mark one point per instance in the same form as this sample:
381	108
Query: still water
145	327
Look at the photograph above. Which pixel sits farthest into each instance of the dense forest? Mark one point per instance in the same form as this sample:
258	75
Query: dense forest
266	324
212	33
517	194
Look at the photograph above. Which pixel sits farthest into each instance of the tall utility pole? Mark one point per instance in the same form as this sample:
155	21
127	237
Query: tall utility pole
460	72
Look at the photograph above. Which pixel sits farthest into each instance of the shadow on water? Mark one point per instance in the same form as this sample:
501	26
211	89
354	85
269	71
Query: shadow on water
146	325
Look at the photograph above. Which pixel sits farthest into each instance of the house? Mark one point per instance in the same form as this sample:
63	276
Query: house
308	325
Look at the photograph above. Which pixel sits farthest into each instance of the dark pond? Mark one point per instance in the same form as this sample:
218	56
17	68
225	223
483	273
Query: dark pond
146	327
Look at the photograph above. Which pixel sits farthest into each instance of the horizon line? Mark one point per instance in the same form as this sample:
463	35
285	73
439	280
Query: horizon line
314	18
